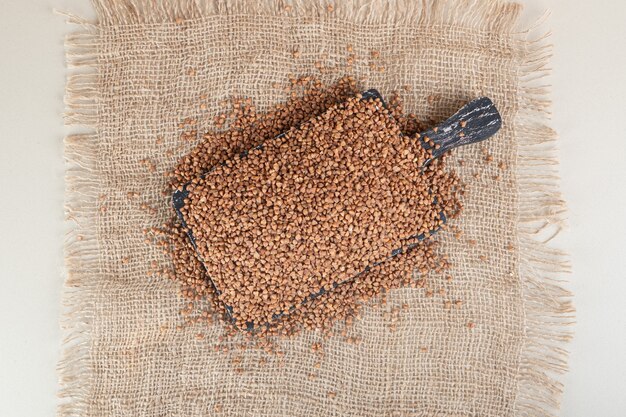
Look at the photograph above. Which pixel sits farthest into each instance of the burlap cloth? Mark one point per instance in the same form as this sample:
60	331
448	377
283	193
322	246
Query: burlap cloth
141	68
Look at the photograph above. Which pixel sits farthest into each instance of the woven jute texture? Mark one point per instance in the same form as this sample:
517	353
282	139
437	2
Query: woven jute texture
141	68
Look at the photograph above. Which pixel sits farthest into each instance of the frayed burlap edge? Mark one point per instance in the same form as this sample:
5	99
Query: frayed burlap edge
548	307
81	196
547	304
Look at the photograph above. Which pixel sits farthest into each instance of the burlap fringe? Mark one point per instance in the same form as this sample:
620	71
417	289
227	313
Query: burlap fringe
548	307
490	15
81	206
547	304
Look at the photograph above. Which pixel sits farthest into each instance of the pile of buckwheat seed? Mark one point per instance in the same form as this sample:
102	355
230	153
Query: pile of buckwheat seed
371	196
314	207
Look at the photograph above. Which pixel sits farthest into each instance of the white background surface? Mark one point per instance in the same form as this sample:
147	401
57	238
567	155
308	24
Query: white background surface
589	93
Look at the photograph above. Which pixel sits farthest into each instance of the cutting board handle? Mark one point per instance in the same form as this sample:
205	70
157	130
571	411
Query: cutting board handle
476	121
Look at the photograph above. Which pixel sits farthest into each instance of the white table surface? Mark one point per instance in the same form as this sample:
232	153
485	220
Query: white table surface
589	93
